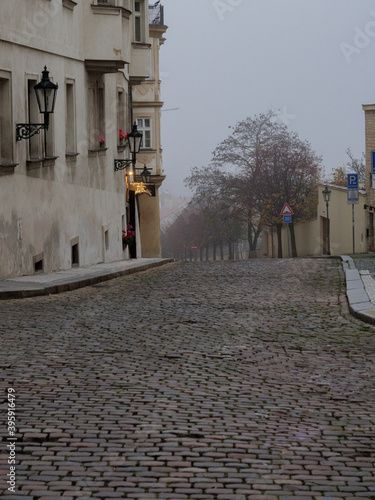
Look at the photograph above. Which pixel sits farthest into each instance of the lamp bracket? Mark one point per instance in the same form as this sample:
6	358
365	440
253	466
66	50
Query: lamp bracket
122	164
28	130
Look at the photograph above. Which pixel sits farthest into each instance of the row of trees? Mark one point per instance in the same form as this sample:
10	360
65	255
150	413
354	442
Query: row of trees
253	173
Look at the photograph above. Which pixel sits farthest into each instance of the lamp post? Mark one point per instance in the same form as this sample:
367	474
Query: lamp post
45	92
327	196
135	142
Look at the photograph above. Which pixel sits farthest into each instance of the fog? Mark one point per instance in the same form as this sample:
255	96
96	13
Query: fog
225	60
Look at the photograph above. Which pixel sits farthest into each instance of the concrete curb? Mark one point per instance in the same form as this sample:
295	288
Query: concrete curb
61	285
359	303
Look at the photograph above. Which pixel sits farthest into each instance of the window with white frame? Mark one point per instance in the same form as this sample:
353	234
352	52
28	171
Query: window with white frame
144	126
6	141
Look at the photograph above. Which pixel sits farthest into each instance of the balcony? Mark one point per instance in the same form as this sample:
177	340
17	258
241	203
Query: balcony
139	69
156	14
104	53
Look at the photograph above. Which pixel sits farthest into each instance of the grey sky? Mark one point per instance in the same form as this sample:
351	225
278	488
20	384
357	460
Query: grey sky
225	60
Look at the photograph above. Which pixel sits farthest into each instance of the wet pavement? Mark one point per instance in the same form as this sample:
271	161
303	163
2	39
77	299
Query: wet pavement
223	380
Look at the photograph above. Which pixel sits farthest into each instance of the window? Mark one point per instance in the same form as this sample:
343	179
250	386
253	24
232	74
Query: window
96	115
38	262
35	142
75	255
70	123
138	21
121	112
75	251
144	126
6	140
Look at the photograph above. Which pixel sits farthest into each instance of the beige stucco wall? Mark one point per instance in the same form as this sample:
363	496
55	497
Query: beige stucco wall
309	235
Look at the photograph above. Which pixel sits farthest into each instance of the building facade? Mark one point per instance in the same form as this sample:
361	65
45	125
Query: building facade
147	112
62	202
369	110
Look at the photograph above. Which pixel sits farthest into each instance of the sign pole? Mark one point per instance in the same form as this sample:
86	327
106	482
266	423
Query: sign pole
353	229
353	195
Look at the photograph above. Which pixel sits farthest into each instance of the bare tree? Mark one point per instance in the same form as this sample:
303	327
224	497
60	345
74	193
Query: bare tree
273	166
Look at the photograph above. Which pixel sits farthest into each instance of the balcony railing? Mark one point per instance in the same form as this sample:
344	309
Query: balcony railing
156	14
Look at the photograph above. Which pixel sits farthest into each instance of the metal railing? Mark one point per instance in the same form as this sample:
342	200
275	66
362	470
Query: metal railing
156	14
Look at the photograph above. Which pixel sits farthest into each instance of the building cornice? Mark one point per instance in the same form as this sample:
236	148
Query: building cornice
157	31
110	10
104	65
148	104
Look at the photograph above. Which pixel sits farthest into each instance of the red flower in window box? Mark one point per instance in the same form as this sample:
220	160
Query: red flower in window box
128	236
122	135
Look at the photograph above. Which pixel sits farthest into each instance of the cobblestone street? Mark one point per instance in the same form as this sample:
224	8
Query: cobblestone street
223	380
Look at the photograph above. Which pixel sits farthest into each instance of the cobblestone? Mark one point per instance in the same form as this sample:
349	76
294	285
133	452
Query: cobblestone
227	380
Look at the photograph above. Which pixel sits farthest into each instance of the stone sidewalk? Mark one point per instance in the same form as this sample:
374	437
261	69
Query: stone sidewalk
72	279
360	287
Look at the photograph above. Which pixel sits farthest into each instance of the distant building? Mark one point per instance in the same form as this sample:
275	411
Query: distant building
312	236
62	202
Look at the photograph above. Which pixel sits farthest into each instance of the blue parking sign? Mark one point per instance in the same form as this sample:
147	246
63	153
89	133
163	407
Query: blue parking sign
352	181
373	162
287	219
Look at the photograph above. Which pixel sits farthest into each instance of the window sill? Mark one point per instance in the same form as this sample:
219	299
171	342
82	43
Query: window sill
112	10
69	4
70	157
99	151
7	168
48	161
121	148
141	45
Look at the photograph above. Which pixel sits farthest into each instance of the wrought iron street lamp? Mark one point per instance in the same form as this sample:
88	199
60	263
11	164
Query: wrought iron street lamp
45	92
327	196
135	142
146	175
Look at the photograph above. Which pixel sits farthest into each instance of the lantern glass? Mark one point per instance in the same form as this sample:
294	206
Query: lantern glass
146	175
135	140
327	194
45	92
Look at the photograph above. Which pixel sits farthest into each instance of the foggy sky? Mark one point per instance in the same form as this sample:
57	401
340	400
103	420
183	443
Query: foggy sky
225	60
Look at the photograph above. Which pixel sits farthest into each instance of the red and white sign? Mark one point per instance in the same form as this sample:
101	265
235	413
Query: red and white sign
286	210
194	247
